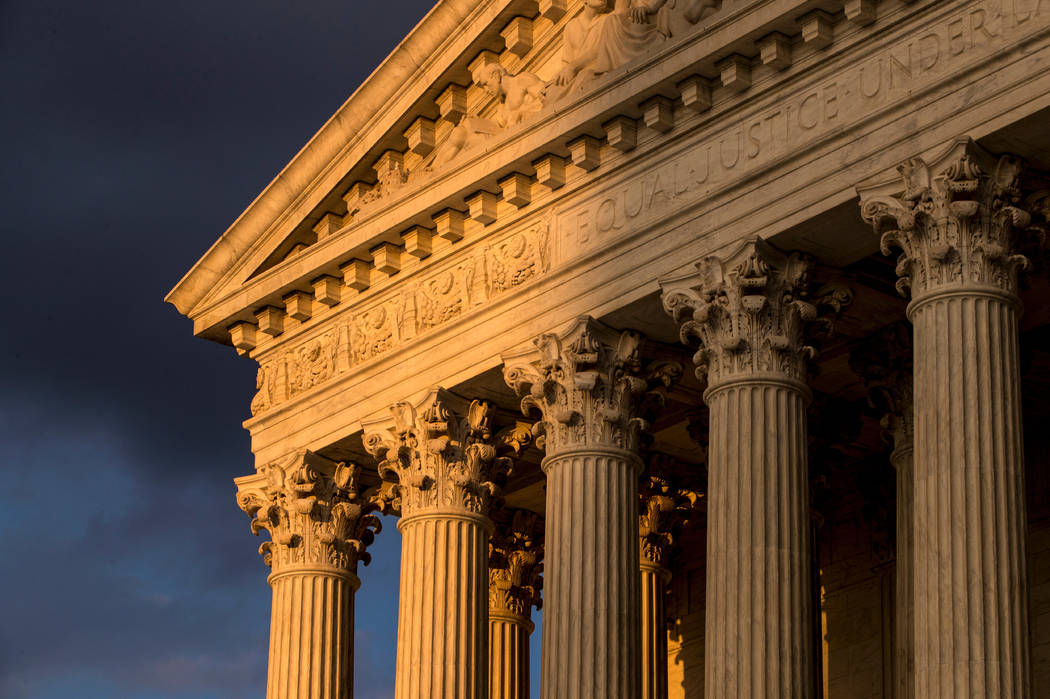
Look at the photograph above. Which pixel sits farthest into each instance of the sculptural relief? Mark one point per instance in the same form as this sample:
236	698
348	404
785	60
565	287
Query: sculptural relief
518	96
676	18
376	330
444	296
518	258
601	39
312	363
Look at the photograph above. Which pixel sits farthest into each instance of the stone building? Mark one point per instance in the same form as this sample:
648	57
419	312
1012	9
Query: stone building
698	321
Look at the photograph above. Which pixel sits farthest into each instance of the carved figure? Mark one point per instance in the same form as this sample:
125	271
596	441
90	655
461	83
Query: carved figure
519	95
600	39
676	18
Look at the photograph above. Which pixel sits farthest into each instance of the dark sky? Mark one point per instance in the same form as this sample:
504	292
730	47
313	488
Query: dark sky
134	133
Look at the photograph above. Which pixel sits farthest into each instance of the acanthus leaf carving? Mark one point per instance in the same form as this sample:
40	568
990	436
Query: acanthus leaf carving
590	387
442	455
958	222
749	311
516	562
314	512
665	507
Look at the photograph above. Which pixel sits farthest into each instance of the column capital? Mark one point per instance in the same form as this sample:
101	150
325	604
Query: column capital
516	563
442	454
884	361
957	220
314	511
664	508
748	310
590	385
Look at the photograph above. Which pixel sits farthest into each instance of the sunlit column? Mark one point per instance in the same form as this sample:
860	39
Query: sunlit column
588	384
319	528
515	566
442	457
747	310
958	222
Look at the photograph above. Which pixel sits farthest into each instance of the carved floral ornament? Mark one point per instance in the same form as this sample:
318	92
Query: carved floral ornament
590	387
958	222
314	511
440	297
516	563
749	311
442	454
665	509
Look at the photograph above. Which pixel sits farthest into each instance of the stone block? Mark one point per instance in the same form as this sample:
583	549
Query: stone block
449	224
696	93
299	305
327	290
585	152
553	9
818	29
452	103
482	206
775	51
517	36
357	274
516	189
327	225
271	320
621	132
243	336
421	136
418	241
735	72
550	171
658	113
862	12
386	258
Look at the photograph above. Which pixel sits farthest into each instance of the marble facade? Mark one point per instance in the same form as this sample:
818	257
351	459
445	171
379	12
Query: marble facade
697	323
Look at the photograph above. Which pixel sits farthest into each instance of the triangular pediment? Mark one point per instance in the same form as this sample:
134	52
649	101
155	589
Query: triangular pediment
469	76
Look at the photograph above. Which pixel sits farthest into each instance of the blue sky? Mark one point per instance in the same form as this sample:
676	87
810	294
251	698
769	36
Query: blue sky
134	133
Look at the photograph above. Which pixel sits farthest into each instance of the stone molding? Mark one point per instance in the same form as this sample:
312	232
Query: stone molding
748	310
442	455
381	324
958	221
516	564
590	386
314	511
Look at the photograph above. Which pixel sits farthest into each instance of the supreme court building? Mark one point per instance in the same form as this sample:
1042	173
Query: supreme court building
699	322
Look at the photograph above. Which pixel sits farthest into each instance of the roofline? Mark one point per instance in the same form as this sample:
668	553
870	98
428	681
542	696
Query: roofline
400	67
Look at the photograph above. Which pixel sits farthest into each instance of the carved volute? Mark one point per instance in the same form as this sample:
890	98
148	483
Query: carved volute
590	387
748	310
314	512
442	455
958	222
516	563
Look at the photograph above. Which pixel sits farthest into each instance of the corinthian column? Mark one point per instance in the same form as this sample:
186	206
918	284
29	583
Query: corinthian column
664	509
885	363
747	310
441	456
958	222
515	566
588	386
319	528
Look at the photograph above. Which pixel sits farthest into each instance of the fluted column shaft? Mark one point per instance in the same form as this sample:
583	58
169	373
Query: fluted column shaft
971	627
758	584
312	635
591	622
654	630
960	224
904	570
509	655
595	396
442	633
320	526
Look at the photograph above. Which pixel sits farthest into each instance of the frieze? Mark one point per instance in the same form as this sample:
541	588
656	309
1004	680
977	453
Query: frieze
910	64
396	318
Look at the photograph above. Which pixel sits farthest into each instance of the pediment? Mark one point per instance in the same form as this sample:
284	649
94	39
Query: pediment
468	79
